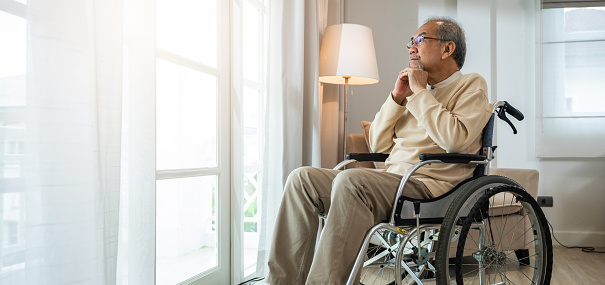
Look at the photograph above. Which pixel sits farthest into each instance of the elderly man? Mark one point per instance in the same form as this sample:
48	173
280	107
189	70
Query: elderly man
433	108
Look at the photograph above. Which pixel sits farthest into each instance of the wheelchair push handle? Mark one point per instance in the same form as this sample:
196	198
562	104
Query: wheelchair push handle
513	111
503	107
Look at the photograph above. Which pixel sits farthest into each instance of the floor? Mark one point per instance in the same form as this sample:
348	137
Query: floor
572	266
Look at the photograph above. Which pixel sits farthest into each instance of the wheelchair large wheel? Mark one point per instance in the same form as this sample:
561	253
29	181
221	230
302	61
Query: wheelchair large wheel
380	265
494	233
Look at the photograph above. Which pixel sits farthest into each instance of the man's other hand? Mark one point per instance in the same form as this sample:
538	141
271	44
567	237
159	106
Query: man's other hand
417	78
409	81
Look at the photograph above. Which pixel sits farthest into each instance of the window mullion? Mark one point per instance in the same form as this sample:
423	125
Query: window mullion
177	59
14	8
183	173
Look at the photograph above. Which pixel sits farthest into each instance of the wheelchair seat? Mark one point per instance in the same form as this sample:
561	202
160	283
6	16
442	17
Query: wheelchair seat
433	210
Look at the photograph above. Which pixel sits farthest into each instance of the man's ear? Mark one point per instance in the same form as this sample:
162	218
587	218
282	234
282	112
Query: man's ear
448	50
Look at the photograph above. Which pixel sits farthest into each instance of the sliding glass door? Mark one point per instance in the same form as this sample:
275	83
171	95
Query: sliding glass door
210	97
249	46
193	142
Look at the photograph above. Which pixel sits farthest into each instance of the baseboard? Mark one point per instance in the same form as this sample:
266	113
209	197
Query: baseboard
571	238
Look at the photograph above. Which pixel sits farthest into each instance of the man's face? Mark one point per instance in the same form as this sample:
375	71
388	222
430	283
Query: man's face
427	54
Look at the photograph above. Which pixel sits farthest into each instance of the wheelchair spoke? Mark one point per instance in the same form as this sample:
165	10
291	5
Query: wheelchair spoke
501	233
512	229
503	274
379	266
529	229
528	278
499	238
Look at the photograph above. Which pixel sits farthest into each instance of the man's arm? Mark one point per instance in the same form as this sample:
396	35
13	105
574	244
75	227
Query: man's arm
382	129
453	130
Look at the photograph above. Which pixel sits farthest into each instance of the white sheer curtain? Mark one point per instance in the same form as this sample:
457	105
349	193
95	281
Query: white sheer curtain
292	121
68	231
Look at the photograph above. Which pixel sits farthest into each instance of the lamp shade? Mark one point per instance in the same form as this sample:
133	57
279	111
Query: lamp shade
348	50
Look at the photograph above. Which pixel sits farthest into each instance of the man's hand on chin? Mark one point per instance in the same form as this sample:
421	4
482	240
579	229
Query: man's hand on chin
401	89
417	78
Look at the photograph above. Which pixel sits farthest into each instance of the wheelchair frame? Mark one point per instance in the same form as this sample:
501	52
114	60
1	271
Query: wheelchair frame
409	230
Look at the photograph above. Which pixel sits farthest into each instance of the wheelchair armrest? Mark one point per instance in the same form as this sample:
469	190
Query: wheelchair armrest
452	157
377	157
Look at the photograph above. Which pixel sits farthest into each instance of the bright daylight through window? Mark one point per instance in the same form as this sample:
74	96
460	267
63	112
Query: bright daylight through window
571	109
206	54
574	62
12	140
187	89
191	69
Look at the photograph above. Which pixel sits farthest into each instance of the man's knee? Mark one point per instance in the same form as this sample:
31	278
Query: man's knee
349	182
350	178
300	174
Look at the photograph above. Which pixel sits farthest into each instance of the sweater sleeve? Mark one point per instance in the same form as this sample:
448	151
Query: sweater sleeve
382	129
455	129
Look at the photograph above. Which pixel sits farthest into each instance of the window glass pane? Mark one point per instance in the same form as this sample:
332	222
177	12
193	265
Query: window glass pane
581	20
13	238
251	41
12	147
573	24
12	95
186	230
253	138
12	61
189	29
573	62
186	117
252	127
585	74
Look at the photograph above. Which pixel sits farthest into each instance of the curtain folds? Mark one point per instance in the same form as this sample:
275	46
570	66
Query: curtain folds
293	105
89	172
73	138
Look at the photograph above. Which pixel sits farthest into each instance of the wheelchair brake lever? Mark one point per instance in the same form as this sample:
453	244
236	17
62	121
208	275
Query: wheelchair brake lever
502	116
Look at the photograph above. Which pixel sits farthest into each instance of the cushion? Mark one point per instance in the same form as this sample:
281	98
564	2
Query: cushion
527	178
365	126
503	205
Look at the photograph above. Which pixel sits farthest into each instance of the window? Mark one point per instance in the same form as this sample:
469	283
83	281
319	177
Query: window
254	19
12	137
191	172
209	55
573	89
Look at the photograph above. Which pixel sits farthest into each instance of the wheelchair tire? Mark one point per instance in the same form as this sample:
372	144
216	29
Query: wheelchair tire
449	233
516	221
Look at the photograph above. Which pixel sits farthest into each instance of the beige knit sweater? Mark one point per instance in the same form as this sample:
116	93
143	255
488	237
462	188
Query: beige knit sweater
447	118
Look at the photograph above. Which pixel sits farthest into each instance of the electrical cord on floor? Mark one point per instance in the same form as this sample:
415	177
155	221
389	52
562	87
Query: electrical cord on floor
249	281
588	249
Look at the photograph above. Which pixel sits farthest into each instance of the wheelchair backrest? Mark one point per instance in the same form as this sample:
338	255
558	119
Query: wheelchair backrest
488	135
486	144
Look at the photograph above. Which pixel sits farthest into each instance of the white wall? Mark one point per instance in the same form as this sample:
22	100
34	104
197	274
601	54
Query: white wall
501	38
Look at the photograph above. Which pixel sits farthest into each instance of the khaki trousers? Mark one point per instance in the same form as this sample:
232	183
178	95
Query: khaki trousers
354	199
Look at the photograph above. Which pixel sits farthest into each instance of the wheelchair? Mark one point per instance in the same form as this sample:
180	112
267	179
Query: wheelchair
487	230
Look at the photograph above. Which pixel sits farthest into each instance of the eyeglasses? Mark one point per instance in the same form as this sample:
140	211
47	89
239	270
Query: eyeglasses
419	40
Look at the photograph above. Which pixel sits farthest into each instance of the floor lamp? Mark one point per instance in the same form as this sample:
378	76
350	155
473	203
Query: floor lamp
347	57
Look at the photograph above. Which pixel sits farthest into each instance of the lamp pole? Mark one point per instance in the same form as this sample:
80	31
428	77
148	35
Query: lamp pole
346	109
